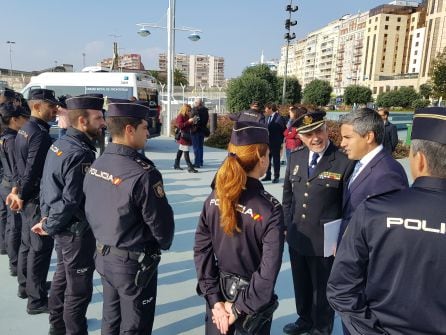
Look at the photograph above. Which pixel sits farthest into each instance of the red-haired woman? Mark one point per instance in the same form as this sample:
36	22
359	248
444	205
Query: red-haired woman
239	239
184	123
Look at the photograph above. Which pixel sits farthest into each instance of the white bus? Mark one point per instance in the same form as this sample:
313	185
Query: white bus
118	85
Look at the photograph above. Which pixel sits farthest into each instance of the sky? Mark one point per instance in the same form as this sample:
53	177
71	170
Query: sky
54	32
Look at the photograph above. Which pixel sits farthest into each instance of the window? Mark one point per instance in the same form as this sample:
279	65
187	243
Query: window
397	27
385	35
416	44
416	52
414	61
398	19
418	34
413	70
384	58
387	18
386	27
376	19
413	19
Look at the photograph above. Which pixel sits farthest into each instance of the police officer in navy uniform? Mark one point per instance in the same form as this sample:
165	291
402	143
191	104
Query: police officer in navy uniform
312	196
388	275
239	239
131	219
12	119
31	145
253	114
63	217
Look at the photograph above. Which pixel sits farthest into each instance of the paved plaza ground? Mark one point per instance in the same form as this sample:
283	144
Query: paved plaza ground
179	310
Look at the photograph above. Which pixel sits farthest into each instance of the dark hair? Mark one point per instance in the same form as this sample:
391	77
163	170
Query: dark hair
385	111
73	115
117	124
271	105
435	156
364	120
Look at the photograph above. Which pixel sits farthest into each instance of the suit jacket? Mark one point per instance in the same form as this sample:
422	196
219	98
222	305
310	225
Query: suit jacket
390	137
309	203
381	175
276	128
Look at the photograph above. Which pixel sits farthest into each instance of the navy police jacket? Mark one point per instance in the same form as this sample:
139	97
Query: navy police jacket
125	201
61	197
7	158
255	253
31	145
388	273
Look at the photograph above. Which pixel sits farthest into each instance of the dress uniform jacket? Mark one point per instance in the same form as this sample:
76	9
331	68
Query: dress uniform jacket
32	143
7	157
62	198
255	253
309	203
250	115
125	201
388	274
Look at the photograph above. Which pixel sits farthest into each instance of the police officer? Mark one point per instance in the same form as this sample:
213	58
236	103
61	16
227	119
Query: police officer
242	227
388	275
131	219
12	119
31	145
312	196
63	217
253	114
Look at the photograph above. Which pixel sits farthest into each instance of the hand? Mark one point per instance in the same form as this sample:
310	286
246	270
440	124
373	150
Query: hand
228	308
38	228
220	317
14	201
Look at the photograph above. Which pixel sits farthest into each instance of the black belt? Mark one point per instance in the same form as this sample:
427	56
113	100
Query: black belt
105	249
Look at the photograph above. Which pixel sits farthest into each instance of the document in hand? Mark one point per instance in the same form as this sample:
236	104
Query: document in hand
331	232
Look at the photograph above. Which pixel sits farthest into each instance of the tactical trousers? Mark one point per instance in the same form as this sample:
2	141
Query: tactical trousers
3	220
211	329
72	285
127	309
13	231
34	258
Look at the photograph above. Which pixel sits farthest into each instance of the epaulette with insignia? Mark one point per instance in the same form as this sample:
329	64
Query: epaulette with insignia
270	198
143	164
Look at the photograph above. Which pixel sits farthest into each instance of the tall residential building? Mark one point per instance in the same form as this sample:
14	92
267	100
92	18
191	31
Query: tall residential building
200	70
350	51
127	61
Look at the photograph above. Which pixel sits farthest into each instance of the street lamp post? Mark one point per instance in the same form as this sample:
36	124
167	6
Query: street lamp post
10	55
144	32
183	87
202	91
288	37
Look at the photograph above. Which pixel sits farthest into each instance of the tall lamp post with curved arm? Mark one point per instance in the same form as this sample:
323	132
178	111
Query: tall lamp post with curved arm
144	32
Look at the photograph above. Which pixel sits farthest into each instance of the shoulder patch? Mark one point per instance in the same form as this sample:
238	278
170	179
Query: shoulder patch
85	167
158	189
144	165
270	198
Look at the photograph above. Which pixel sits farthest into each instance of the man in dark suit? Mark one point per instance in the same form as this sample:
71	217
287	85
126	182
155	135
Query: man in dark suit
390	139
387	276
276	126
376	171
312	196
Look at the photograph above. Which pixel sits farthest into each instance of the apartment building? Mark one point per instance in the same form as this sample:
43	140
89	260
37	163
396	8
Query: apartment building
200	70
127	61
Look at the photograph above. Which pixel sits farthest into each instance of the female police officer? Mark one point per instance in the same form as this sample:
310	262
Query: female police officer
239	239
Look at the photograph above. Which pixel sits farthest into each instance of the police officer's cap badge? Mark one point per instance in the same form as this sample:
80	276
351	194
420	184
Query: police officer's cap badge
307	120
158	189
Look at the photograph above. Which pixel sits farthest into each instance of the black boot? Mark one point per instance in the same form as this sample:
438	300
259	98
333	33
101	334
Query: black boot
189	163
177	166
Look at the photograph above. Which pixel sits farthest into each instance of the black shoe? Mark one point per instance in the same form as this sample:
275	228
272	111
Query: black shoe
196	166
3	252
22	294
275	180
266	179
13	272
192	170
57	331
178	167
297	328
38	310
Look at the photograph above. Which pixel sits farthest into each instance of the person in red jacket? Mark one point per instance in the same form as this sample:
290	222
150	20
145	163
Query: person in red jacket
292	138
185	123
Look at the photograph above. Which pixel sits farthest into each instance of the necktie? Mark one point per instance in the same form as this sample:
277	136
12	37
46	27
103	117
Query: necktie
269	119
355	172
313	164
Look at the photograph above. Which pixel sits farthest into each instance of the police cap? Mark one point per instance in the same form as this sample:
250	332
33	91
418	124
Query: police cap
9	110
8	93
430	124
245	133
43	94
126	108
309	121
85	101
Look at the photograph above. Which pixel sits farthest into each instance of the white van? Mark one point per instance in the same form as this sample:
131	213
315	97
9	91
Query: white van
118	85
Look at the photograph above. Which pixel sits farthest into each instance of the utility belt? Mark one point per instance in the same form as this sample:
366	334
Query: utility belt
148	261
231	285
78	228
